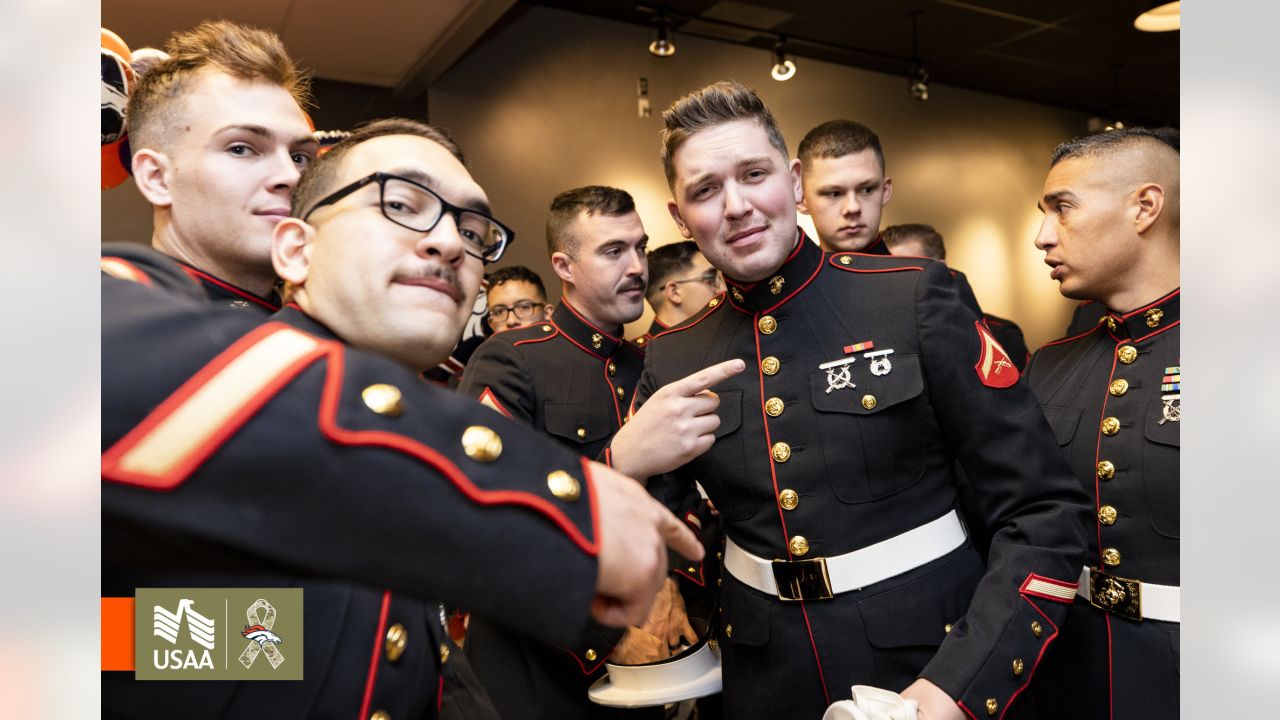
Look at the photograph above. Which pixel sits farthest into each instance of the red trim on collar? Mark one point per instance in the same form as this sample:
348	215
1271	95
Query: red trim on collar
565	302
1170	326
709	312
817	269
1148	306
377	650
245	294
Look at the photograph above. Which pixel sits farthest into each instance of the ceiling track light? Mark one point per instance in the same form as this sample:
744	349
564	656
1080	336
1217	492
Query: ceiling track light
918	81
1162	18
663	47
783	69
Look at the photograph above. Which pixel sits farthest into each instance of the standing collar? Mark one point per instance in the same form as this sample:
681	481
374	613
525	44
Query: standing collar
877	247
797	270
1146	320
582	333
221	289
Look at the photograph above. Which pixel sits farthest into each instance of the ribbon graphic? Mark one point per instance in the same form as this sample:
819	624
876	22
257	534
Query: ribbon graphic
261	639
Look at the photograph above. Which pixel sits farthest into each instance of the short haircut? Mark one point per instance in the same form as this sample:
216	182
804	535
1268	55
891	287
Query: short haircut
320	177
1105	143
930	239
714	105
518	273
837	138
665	263
243	52
589	200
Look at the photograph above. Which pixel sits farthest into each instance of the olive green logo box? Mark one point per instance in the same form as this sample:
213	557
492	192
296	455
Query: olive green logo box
218	634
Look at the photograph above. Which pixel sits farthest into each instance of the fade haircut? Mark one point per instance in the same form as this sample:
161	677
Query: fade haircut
241	51
588	200
930	239
714	105
664	264
837	138
1105	143
518	273
320	177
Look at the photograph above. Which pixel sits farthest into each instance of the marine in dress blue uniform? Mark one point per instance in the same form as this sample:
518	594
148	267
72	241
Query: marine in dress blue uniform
328	468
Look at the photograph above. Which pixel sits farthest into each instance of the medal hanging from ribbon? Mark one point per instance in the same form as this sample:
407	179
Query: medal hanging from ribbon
261	639
880	364
1171	386
838	377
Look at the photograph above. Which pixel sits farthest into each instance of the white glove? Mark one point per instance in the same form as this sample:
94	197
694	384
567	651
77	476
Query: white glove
872	703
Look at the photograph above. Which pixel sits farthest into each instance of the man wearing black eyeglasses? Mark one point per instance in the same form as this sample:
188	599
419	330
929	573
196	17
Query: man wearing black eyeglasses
306	451
516	298
681	282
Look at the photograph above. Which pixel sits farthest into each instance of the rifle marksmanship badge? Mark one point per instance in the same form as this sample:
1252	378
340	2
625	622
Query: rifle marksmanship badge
1171	389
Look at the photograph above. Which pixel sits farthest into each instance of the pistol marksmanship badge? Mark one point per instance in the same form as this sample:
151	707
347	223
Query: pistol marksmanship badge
1171	386
261	639
880	364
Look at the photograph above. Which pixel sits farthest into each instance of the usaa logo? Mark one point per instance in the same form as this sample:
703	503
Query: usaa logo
201	633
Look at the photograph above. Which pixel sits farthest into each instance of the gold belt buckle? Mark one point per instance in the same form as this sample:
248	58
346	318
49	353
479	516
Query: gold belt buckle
802	579
1119	596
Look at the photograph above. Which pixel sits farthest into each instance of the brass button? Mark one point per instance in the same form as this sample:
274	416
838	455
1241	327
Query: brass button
1110	426
946	628
1154	316
1127	354
582	433
719	555
444	653
845	260
596	340
546	328
380	715
992	706
383	399
719	582
612	368
770	365
1036	629
1107	515
737	295
1018	667
767	324
774	406
781	452
481	444
394	642
621	391
775	284
713	302
728	630
1106	470
564	486
1118	387
869	402
1111	556
799	546
788	499
590	655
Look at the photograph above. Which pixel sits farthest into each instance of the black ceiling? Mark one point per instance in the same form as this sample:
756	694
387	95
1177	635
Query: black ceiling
1084	55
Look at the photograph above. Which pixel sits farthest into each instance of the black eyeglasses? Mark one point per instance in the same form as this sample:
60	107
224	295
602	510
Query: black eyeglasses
522	309
417	207
710	278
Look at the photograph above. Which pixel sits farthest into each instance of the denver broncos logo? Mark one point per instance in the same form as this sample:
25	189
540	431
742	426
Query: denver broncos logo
260	635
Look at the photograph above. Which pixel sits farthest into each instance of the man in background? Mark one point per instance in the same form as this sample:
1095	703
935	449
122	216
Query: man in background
681	283
219	139
845	186
516	298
